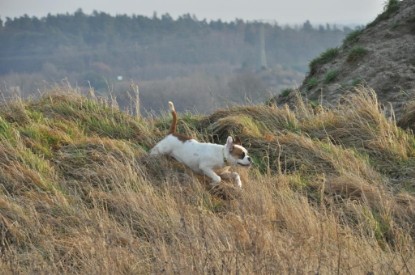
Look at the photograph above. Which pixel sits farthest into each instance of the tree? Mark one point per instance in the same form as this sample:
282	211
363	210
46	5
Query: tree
307	26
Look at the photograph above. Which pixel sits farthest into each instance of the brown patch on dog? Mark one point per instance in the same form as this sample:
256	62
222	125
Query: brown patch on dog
173	122
237	152
181	137
173	125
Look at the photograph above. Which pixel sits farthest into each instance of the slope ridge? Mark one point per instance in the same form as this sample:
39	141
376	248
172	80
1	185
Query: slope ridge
380	56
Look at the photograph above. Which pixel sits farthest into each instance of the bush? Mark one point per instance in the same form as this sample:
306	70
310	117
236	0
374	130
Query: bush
390	8
324	58
352	37
330	76
356	54
311	82
286	92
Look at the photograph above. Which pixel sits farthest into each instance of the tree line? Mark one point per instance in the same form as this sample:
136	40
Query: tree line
98	48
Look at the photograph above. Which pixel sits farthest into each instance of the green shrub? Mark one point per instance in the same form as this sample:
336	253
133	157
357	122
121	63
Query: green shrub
286	92
390	8
311	82
352	37
330	76
356	53
324	58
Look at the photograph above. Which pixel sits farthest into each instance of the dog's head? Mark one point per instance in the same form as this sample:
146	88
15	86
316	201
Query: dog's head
235	153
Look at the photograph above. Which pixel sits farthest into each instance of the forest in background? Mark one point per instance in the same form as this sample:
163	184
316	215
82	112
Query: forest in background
200	64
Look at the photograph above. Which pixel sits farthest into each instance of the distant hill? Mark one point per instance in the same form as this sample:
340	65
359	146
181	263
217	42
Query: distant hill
381	56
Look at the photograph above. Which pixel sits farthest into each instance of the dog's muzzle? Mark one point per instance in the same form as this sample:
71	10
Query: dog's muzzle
246	164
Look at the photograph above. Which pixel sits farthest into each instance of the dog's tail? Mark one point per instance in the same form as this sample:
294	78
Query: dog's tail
174	114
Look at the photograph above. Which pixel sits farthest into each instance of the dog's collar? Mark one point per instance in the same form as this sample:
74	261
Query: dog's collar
225	161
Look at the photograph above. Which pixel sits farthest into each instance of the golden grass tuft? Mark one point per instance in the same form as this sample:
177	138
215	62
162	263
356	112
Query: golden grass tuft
331	191
246	120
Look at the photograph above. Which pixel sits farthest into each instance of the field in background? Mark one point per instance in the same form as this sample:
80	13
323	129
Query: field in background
332	191
202	64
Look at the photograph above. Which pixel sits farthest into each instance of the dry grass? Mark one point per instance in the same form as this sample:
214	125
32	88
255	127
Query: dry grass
331	192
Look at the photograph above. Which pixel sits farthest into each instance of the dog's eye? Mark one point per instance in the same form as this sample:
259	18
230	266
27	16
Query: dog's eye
242	155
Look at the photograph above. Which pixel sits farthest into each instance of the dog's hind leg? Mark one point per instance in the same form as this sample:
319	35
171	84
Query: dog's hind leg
155	151
159	149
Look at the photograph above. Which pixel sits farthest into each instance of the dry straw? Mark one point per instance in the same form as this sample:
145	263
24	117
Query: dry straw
331	192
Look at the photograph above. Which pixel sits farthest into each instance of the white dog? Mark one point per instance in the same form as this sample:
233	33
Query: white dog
203	157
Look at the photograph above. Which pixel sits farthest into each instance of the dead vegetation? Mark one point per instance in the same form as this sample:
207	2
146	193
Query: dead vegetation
331	191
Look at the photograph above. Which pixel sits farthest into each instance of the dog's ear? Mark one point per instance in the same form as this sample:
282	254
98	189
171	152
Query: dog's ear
237	141
229	143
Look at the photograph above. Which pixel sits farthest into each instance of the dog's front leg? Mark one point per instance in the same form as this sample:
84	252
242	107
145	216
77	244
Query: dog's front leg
211	174
232	175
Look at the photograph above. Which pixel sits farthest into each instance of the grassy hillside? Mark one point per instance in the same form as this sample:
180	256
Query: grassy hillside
332	191
379	55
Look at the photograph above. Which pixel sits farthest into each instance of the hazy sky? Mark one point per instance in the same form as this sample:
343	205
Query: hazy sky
281	11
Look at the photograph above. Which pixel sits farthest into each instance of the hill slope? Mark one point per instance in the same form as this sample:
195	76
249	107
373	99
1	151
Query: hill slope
332	191
379	56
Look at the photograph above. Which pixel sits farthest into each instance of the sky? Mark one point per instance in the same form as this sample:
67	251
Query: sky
279	11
